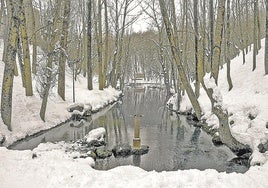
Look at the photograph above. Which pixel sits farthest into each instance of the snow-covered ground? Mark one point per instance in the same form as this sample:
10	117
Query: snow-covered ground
53	167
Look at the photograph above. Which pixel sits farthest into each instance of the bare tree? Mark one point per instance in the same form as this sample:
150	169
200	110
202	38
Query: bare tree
228	38
33	39
52	35
218	41
211	32
7	85
151	11
89	46
266	42
63	44
99	44
197	58
255	34
25	47
106	45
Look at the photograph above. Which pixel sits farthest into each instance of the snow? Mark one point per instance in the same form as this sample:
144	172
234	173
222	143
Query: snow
55	168
96	134
49	165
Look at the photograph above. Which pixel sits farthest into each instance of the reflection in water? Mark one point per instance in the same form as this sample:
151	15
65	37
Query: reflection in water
174	144
136	160
195	136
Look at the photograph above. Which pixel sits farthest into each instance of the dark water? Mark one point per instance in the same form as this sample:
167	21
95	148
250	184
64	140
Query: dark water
174	144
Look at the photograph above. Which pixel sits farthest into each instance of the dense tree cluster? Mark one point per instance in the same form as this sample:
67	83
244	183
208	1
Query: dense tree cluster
183	41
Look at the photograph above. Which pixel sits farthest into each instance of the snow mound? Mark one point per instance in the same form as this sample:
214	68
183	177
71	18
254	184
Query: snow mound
96	134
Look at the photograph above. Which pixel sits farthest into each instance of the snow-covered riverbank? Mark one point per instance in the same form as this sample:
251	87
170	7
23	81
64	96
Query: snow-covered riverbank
54	168
246	103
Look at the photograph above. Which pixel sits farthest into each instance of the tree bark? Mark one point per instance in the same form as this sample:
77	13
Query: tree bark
89	49
239	12
228	37
255	36
34	37
63	44
99	44
25	48
7	85
218	40
20	59
106	48
266	42
211	32
120	47
247	27
116	45
1	12
196	38
258	27
203	56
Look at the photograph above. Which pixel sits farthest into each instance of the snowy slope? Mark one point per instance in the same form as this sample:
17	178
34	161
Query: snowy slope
249	97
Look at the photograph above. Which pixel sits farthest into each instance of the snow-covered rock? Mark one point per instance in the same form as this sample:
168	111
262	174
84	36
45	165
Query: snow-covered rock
96	134
77	106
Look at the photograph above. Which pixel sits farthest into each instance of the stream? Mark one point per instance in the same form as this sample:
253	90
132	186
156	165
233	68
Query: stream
174	143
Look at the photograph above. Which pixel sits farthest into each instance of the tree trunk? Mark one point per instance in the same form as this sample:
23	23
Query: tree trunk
99	44
239	12
89	49
116	46
20	59
161	54
211	32
106	48
25	48
224	128
258	27
218	40
120	43
6	34
247	27
203	58
34	37
84	37
255	37
2	12
63	43
266	42
196	38
7	85
228	37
